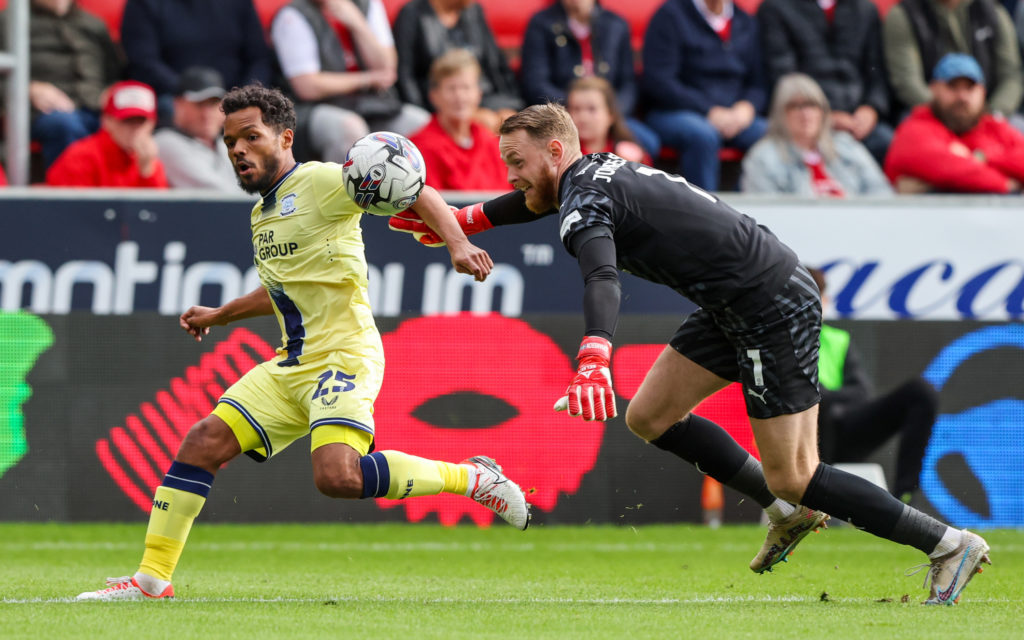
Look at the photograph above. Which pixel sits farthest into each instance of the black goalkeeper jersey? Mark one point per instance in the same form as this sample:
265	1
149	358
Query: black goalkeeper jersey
670	232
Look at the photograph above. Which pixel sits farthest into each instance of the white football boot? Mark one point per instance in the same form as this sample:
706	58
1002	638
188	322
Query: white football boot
783	537
499	494
124	588
950	573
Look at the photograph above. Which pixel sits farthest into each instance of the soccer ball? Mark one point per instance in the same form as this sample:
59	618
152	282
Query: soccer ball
384	173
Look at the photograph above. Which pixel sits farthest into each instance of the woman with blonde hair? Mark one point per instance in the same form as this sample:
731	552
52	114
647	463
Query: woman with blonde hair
594	109
801	154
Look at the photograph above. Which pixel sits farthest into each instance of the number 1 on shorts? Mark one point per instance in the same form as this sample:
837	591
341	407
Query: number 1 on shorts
755	357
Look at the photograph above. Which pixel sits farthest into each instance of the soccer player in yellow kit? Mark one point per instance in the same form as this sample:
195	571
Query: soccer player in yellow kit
326	375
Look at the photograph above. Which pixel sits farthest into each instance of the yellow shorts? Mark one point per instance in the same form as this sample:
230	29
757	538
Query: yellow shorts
331	399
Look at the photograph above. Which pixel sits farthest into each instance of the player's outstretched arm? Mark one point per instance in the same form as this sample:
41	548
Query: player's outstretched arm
436	214
431	204
198	320
471	219
509	208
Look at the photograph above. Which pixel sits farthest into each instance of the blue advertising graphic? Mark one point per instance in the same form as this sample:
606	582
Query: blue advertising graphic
117	252
988	440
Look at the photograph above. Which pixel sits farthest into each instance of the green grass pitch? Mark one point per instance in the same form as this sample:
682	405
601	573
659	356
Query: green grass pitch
426	581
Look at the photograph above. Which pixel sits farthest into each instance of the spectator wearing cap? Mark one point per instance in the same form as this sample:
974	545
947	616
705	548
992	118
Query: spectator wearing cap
122	153
953	144
72	59
917	33
192	151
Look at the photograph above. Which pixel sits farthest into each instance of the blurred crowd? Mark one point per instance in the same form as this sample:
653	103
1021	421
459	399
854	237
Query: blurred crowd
818	98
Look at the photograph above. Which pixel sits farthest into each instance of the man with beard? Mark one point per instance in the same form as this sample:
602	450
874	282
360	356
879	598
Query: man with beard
758	324
309	254
953	144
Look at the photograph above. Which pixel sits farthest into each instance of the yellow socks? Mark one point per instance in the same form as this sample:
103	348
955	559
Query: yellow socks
397	475
175	506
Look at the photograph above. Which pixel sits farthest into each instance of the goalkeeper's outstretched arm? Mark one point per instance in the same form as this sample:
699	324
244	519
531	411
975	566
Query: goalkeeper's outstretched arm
509	208
466	257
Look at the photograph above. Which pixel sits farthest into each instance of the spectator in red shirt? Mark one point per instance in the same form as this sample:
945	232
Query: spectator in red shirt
595	112
953	144
123	152
460	153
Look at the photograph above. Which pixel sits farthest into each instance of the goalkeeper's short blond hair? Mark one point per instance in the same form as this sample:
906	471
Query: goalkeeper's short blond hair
543	122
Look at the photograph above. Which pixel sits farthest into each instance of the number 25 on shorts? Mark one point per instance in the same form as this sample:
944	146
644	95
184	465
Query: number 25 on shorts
344	380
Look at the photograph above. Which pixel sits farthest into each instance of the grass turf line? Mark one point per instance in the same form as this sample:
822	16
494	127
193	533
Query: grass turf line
426	581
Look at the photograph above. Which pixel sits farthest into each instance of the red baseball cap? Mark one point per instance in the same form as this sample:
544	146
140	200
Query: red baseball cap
130	99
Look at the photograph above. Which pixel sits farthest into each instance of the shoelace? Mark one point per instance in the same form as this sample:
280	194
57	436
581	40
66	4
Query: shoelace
914	570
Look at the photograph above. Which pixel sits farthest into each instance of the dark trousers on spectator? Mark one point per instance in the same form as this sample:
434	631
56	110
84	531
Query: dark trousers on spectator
698	143
877	142
909	410
57	129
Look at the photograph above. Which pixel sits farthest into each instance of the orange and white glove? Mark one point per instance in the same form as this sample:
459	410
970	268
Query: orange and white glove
471	219
590	393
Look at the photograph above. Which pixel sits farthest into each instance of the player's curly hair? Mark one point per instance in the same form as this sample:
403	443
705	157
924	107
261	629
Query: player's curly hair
278	111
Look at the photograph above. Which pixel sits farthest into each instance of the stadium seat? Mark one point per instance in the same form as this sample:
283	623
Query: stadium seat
267	8
508	20
107	10
505	18
637	13
729	157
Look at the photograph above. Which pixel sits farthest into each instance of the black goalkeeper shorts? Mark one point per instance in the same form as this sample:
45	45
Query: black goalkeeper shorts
772	351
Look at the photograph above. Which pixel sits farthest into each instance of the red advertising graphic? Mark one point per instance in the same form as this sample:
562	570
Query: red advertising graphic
630	364
495	379
137	455
428	358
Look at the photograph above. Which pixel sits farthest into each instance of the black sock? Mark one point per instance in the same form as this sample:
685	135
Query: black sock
869	507
712	450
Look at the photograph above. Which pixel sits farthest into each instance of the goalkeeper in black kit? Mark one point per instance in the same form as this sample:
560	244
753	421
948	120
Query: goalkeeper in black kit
758	324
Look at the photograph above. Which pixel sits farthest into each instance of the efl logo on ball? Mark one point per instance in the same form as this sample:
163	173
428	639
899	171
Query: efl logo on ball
384	173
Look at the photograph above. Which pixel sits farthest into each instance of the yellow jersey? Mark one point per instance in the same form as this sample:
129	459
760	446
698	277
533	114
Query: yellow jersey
308	250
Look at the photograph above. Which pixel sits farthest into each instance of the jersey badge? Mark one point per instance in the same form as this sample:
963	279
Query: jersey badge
288	204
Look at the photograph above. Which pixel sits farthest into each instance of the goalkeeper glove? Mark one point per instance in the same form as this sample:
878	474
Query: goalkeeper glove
590	393
471	219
